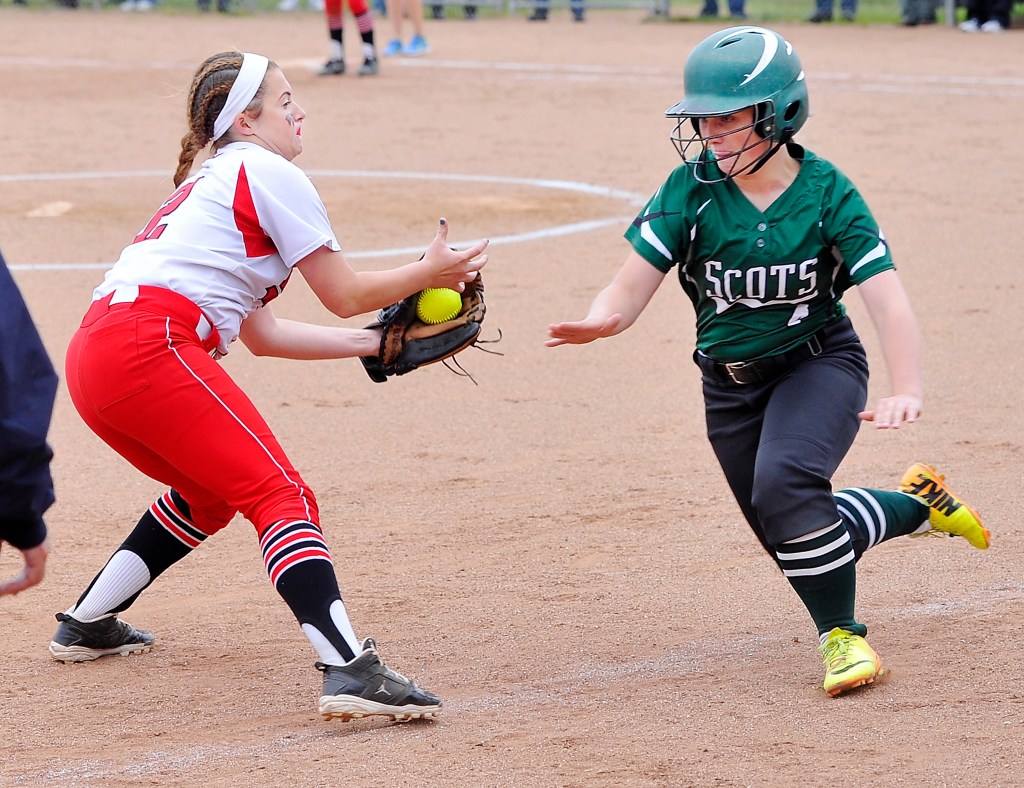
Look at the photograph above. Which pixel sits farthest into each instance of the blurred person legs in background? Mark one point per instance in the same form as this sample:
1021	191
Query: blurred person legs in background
918	12
540	13
398	10
437	11
736	9
987	16
823	12
335	11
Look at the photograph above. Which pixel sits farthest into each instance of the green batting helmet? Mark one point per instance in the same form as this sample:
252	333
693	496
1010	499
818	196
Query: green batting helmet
746	67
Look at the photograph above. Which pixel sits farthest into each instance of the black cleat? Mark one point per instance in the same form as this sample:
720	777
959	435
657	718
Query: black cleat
79	641
332	67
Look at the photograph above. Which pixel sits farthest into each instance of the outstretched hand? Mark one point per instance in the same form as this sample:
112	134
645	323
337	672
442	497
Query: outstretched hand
31	573
453	268
891	412
582	331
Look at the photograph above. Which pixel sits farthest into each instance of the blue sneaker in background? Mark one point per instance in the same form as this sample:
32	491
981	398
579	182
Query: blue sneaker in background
417	46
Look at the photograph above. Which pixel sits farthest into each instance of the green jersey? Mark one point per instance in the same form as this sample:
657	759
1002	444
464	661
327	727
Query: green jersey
762	282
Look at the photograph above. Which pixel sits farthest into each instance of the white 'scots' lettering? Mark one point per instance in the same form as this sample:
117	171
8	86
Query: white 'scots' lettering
759	285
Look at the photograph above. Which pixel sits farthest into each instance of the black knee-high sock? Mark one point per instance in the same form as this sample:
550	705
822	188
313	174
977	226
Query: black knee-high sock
163	536
822	569
337	36
299	565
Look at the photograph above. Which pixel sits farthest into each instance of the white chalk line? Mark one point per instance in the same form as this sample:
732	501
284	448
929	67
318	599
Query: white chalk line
632	199
951	84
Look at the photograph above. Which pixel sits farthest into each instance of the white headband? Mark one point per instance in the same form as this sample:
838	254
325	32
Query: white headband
243	90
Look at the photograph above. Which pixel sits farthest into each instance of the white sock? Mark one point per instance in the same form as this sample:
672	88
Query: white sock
124	576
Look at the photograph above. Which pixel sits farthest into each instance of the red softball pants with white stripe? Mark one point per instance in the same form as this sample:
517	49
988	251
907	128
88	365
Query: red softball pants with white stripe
140	373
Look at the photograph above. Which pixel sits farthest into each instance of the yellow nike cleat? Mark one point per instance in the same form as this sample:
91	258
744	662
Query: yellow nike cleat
849	662
947	513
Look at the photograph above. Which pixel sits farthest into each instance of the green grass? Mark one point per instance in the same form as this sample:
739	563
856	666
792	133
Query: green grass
770	12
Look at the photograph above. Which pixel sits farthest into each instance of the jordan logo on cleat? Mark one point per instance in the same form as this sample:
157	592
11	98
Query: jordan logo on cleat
383	688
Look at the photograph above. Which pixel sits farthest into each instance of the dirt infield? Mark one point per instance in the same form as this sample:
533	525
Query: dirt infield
554	551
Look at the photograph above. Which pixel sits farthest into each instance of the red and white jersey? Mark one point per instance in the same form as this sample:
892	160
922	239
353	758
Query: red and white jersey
228	237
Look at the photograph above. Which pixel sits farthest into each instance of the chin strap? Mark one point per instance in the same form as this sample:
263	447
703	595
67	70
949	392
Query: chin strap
784	139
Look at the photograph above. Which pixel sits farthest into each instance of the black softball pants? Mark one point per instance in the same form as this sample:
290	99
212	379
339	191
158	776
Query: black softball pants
779	442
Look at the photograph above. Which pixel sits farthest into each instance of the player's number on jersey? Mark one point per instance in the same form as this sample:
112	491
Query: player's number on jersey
157	225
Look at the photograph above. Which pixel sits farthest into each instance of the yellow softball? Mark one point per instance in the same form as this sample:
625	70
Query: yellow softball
437	304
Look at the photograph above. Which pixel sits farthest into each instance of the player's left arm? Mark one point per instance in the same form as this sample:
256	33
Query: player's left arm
264	334
889	306
347	292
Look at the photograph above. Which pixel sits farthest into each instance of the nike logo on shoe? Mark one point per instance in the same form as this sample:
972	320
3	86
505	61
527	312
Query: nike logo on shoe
936	497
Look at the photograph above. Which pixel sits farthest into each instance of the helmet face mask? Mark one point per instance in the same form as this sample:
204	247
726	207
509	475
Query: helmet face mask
693	148
733	70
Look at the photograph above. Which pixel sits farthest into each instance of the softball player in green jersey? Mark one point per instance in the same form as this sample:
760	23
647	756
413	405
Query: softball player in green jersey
766	238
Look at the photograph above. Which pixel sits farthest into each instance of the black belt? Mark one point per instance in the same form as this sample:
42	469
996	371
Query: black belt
762	370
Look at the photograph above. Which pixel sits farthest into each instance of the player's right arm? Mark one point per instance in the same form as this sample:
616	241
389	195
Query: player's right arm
615	308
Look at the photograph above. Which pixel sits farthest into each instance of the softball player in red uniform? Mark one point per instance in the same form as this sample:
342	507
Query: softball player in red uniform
766	238
142	372
334	10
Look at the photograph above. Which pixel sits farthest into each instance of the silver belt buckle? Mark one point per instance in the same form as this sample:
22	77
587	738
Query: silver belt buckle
735	367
